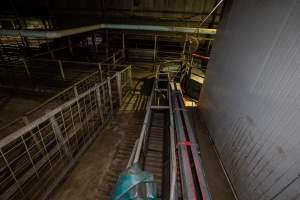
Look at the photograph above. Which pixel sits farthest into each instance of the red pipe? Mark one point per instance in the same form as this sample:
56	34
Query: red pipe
200	56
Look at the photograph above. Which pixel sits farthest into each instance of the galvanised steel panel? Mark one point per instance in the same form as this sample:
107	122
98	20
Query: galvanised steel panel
250	99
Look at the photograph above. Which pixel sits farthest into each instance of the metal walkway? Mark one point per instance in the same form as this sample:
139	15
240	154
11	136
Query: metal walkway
167	147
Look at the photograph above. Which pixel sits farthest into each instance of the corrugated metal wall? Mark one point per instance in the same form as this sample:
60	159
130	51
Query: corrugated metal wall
251	101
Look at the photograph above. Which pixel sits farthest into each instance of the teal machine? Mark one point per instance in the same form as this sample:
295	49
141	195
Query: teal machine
134	183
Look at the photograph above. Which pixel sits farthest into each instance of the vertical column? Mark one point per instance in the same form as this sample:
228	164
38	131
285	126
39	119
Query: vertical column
110	94
119	86
61	70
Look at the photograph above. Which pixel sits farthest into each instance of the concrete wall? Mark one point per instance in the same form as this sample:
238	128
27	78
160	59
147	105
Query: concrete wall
250	98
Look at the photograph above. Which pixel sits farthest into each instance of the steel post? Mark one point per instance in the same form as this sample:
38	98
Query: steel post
61	70
110	94
70	46
119	86
26	69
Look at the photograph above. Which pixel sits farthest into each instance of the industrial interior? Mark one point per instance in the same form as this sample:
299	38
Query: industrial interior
144	99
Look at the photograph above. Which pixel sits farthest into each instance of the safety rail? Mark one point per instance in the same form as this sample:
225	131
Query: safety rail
104	70
60	69
35	158
183	149
140	147
193	182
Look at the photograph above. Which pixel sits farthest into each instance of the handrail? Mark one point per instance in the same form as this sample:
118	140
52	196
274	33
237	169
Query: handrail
65	90
64	131
173	163
60	94
191	167
40	120
144	128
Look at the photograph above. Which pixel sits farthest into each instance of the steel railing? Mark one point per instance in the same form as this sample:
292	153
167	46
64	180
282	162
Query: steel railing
35	158
104	70
193	181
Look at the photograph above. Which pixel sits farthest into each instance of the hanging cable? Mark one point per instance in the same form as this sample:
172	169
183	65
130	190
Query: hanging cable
213	10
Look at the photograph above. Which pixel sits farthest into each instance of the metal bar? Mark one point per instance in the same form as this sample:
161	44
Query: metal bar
123	40
183	129
18	185
186	174
61	70
110	94
99	104
119	79
100	71
73	31
26	68
70	46
106	44
132	154
154	50
194	148
173	163
58	133
184	45
144	128
161	90
130	77
52	54
160	107
94	42
211	12
114	58
34	137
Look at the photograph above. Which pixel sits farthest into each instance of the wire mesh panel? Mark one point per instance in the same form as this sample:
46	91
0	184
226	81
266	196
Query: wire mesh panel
36	157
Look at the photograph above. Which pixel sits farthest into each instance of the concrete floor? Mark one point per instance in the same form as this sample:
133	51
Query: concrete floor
87	179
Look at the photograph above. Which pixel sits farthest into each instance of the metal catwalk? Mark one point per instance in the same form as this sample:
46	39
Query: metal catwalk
166	149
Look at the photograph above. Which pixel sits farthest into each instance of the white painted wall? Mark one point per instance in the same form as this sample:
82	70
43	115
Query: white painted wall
250	100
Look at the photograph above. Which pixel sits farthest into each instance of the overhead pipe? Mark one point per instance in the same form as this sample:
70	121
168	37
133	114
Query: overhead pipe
73	31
